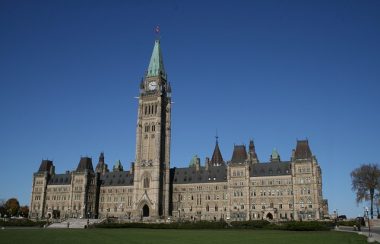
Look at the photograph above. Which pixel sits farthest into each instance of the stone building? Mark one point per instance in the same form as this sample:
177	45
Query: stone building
242	188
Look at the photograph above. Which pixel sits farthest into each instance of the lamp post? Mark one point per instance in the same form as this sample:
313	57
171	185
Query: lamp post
369	225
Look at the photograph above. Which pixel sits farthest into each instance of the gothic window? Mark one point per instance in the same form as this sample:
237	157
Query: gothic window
153	128
146	182
155	109
207	208
145	110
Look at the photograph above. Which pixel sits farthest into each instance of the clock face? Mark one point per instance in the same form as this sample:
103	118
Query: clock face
152	85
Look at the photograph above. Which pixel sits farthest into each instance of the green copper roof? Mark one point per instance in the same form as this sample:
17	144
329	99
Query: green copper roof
118	166
193	161
156	64
275	154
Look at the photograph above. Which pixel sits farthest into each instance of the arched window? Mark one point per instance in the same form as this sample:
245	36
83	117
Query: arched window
146	182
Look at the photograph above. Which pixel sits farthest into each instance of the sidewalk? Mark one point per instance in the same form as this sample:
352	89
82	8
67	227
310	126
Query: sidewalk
375	236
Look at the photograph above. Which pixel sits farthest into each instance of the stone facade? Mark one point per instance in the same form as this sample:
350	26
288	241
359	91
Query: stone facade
242	188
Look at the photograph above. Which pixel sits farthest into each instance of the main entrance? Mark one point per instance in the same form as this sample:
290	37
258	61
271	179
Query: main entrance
269	216
145	211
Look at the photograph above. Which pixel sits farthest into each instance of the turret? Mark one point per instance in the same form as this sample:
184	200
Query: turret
217	158
252	156
101	167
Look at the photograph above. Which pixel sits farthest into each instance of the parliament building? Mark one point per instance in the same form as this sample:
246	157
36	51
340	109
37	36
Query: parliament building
242	188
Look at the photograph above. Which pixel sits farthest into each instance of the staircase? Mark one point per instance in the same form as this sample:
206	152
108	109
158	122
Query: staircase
73	223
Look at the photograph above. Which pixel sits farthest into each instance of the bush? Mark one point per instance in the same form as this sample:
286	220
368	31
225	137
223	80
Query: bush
22	223
175	225
306	226
253	224
348	223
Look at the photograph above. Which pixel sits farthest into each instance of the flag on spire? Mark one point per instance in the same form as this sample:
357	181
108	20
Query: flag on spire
157	29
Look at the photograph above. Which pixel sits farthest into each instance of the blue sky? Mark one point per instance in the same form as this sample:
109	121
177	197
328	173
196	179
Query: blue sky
274	71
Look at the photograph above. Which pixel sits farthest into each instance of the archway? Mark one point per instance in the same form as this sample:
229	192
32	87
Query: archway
269	216
145	211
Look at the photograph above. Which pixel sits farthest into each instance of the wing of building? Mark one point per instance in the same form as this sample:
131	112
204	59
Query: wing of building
242	188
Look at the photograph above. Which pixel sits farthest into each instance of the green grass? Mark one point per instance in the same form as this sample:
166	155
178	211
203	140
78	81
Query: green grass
145	236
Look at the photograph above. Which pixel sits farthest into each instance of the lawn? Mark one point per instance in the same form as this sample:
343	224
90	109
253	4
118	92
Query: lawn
145	236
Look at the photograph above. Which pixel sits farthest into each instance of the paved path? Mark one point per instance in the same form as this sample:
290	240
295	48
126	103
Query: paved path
375	232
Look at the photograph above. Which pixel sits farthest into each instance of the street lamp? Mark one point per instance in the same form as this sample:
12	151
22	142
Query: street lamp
369	225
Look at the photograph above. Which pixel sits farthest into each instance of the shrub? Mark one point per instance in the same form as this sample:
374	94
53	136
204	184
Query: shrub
348	223
22	223
253	224
306	226
175	225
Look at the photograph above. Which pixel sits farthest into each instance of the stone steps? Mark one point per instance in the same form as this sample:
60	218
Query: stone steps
73	224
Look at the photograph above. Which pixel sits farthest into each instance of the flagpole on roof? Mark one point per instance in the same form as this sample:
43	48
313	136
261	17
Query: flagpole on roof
157	32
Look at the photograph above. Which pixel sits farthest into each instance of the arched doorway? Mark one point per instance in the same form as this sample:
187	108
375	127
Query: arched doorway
145	211
269	216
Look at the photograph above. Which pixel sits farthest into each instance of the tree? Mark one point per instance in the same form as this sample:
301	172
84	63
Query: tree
24	211
3	210
12	206
366	182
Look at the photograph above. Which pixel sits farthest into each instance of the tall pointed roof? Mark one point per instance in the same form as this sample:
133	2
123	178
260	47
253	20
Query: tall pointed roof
46	165
302	150
217	158
85	163
156	64
239	154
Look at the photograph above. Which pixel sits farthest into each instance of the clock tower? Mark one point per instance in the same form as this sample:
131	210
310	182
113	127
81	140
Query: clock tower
152	163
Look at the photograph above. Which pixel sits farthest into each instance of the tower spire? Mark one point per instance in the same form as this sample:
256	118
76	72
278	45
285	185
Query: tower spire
156	64
217	158
252	152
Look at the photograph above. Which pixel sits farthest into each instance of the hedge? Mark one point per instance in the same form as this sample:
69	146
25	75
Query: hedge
255	224
175	225
304	226
22	223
